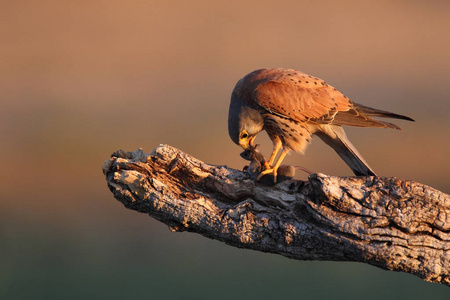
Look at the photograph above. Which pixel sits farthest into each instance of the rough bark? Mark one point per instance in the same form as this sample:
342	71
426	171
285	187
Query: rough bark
386	222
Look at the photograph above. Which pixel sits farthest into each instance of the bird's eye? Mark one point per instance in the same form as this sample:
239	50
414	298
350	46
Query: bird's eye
244	136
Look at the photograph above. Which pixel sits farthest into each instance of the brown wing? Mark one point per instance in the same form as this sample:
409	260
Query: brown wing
301	97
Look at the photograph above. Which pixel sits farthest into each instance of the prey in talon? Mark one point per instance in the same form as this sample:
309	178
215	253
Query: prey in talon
258	164
257	161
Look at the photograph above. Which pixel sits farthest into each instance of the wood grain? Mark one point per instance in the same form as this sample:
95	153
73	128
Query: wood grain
386	222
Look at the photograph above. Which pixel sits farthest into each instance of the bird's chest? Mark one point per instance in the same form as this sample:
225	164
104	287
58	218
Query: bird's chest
294	135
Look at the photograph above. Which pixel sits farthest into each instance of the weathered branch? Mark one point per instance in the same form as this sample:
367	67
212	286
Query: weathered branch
389	223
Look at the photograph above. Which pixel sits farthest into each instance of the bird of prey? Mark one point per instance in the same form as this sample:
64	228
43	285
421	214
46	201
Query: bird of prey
291	106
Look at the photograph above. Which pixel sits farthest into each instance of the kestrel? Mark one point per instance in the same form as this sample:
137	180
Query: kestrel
291	106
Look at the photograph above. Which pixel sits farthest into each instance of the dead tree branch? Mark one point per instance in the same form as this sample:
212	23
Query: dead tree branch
386	222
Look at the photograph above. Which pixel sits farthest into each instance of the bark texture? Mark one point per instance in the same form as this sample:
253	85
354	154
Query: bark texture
386	222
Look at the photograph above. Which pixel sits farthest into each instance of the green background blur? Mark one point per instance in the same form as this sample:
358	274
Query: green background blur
82	79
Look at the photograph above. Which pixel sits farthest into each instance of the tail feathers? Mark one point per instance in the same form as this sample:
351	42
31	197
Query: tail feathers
335	137
369	111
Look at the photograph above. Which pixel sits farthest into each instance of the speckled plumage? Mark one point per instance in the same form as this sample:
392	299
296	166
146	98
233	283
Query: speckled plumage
292	106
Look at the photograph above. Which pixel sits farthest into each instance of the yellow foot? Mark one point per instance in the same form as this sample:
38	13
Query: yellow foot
268	171
266	166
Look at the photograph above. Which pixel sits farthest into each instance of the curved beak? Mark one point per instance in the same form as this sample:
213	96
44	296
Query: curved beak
244	144
248	143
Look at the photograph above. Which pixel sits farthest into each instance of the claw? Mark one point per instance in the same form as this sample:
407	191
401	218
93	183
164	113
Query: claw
272	171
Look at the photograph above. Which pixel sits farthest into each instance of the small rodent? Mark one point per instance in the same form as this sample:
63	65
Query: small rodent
257	161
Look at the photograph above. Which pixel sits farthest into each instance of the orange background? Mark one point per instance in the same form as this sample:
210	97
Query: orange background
82	79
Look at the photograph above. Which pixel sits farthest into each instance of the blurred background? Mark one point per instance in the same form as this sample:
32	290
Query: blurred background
82	79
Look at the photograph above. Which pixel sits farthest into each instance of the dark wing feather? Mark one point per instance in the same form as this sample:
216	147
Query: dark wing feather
354	118
369	111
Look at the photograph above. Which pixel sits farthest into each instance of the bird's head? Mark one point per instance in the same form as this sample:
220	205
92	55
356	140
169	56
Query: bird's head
244	123
246	140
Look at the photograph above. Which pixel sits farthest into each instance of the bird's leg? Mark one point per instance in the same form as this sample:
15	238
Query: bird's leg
276	147
274	169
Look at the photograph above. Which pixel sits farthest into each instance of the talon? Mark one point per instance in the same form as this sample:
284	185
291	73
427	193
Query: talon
273	169
268	171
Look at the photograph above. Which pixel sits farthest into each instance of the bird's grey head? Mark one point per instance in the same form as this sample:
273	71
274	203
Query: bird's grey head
244	122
